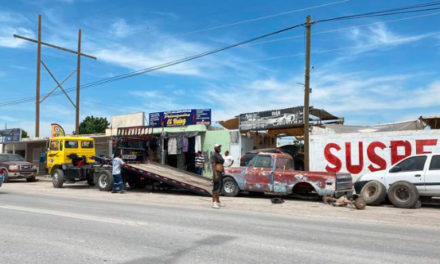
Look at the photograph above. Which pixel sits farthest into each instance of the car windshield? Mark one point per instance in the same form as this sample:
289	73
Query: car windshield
11	158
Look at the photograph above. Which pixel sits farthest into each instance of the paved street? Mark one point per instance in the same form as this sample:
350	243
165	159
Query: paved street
41	228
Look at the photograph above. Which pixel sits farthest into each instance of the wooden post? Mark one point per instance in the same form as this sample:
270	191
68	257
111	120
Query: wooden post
78	84
37	101
307	96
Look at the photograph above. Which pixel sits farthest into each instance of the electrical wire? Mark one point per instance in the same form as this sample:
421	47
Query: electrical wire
173	63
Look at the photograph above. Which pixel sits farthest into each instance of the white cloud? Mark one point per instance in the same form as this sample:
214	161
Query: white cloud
121	29
13	23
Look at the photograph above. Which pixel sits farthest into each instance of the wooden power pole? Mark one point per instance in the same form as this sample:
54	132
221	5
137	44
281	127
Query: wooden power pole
59	84
307	96
78	84
37	101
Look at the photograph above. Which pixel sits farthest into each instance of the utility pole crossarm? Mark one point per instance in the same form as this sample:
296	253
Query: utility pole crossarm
54	46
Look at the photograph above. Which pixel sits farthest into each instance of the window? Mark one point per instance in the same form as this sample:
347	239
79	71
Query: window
87	144
11	158
263	162
70	144
54	145
252	161
284	164
435	163
413	164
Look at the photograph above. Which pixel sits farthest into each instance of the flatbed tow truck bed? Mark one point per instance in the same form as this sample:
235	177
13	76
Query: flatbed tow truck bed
172	176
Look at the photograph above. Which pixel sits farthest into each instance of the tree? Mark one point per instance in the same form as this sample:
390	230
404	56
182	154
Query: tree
93	125
24	134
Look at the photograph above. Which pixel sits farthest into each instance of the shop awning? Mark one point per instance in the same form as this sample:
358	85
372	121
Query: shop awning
433	122
230	124
293	132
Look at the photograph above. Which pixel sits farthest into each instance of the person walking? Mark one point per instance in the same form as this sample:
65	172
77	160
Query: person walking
229	160
200	163
217	162
117	177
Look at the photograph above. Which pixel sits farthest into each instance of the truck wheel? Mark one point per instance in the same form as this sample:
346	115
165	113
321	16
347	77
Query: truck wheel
374	193
58	179
230	187
360	203
30	179
90	182
105	181
403	194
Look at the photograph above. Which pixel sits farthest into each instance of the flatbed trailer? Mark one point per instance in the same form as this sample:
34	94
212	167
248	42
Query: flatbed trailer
171	176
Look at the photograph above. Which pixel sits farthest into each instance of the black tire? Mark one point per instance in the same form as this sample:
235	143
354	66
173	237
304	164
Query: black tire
403	194
58	179
30	179
230	187
374	193
91	182
105	181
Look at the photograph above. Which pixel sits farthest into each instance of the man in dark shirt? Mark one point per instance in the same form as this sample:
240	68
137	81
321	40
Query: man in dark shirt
217	167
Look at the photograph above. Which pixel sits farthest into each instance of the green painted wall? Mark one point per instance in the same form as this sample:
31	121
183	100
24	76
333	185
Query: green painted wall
208	141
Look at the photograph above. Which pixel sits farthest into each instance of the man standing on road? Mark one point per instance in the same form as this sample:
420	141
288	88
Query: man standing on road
117	177
229	160
217	162
200	163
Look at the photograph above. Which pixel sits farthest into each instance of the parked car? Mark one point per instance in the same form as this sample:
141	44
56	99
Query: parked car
412	179
13	166
275	173
293	150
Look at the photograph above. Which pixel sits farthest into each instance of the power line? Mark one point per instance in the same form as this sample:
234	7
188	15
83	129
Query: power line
239	22
166	65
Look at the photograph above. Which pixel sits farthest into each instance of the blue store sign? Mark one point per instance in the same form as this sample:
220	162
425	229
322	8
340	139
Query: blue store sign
180	118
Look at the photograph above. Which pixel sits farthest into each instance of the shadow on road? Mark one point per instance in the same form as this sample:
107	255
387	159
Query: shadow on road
173	257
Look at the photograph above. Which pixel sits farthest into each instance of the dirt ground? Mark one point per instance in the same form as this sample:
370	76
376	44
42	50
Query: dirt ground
428	216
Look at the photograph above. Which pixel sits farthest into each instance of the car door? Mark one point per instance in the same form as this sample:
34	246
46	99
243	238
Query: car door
259	176
283	179
411	169
432	176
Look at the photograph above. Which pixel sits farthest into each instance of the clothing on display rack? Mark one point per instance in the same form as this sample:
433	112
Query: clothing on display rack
172	146
184	145
198	145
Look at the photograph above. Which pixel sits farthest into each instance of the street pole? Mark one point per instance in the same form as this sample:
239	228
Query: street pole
37	101
78	84
307	96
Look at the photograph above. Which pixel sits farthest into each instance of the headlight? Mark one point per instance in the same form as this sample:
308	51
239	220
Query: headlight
13	167
34	167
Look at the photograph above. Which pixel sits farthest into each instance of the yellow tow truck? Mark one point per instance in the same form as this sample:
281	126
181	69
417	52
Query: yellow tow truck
72	159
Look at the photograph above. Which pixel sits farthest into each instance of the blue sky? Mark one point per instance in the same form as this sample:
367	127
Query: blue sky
384	71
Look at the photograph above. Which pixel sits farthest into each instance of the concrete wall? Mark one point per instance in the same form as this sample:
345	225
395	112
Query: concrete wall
128	120
360	153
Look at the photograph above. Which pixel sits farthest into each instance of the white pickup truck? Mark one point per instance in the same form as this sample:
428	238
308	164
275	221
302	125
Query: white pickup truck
414	179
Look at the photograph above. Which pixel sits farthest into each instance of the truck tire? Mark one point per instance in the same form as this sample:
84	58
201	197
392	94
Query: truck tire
105	181
403	194
230	187
90	182
58	179
374	193
360	203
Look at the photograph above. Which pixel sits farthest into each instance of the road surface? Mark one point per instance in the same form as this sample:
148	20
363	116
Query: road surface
37	228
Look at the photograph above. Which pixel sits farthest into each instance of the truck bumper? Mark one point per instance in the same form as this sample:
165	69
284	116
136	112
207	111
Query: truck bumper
21	175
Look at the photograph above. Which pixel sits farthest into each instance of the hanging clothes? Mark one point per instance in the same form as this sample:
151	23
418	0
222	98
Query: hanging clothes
185	145
198	145
172	146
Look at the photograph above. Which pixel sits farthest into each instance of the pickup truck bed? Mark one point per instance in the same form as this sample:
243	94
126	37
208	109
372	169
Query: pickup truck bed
172	176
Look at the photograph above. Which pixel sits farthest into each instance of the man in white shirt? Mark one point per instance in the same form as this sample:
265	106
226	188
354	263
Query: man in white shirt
117	177
229	160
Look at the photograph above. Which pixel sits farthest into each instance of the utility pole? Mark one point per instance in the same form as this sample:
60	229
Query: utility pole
78	84
37	101
307	95
59	84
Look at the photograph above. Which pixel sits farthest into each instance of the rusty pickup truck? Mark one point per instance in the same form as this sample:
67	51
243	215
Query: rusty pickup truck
275	173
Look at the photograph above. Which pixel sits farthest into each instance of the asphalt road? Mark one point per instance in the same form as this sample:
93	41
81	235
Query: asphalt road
46	229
